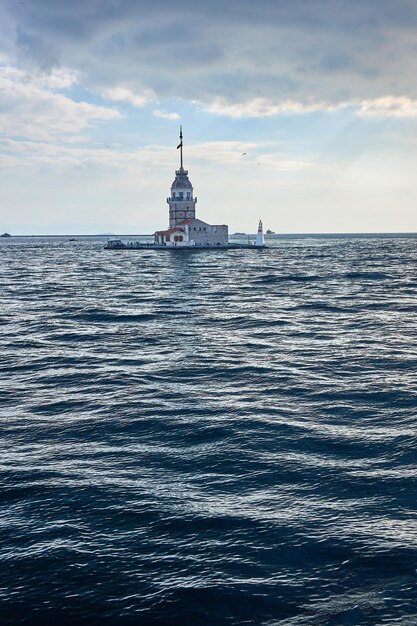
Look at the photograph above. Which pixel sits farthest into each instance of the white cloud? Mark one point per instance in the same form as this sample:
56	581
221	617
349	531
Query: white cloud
264	107
35	155
59	78
152	158
389	106
30	108
223	152
275	162
120	93
385	106
166	115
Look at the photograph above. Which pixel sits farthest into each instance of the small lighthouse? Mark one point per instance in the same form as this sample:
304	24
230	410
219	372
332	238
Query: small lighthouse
260	242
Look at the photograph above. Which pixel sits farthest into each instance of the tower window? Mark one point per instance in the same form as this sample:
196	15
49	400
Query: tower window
181	195
188	195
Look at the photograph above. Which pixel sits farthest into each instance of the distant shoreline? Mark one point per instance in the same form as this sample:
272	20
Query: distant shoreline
77	235
275	235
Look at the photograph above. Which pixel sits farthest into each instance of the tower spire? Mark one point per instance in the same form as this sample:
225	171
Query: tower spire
181	202
181	144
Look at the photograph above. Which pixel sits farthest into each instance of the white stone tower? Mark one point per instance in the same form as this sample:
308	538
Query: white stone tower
260	236
181	203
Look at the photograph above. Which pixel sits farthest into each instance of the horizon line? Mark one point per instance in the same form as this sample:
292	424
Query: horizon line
275	234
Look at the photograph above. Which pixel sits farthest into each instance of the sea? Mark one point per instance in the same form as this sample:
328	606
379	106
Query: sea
209	438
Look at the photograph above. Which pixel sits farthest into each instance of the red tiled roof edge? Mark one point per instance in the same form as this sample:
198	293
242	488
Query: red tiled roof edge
169	231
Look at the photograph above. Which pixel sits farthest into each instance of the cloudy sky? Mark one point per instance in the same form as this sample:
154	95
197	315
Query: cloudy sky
303	112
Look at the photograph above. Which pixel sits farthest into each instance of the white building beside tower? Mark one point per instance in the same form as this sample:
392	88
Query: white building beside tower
184	229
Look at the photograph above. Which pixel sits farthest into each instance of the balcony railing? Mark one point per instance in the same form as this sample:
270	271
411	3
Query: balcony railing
181	199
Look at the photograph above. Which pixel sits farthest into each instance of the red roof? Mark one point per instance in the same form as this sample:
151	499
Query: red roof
169	231
184	222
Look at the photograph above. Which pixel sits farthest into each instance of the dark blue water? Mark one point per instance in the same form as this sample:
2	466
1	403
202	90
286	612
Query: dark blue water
209	438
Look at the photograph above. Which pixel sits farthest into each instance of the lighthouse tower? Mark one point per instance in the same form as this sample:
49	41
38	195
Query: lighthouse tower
181	202
260	242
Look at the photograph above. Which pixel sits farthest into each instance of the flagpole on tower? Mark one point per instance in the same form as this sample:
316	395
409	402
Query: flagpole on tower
181	143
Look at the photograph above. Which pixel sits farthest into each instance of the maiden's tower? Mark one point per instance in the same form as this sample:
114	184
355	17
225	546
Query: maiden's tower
184	228
185	231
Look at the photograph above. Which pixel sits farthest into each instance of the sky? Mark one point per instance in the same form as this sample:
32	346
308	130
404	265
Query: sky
301	112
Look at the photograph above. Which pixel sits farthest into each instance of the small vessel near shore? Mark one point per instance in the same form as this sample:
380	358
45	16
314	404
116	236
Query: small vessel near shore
185	231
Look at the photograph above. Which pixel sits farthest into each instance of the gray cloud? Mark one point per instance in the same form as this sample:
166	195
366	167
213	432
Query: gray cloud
320	50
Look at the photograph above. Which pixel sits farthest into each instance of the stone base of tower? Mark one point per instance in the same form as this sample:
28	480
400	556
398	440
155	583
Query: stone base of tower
194	232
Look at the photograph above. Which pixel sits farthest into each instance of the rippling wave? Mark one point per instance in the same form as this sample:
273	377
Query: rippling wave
209	438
